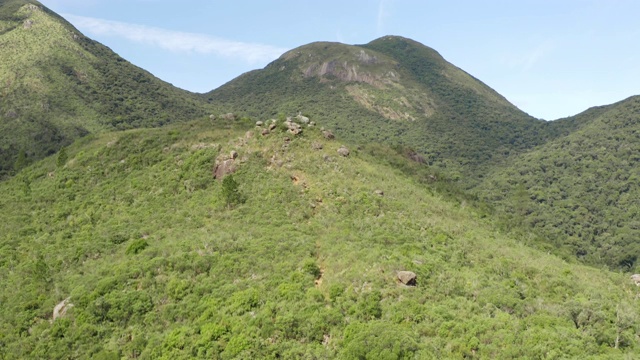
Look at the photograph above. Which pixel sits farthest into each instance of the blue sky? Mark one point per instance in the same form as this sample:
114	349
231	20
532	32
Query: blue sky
551	58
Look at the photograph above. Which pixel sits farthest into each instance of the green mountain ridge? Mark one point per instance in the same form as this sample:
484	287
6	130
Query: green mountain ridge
581	191
57	85
393	90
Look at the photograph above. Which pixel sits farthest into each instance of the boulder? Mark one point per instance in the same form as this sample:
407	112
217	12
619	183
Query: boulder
343	151
328	135
228	116
62	308
224	167
636	279
234	154
303	119
379	192
407	278
317	146
265	132
259	123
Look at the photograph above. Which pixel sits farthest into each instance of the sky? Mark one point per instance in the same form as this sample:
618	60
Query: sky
551	58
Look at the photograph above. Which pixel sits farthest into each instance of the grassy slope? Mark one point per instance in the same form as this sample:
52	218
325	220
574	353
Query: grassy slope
134	229
57	85
581	191
408	95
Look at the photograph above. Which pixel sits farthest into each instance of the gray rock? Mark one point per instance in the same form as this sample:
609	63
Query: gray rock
265	132
259	123
379	192
303	119
317	146
636	279
343	151
234	154
407	278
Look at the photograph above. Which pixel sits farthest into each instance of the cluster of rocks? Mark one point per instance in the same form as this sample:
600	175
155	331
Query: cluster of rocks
294	125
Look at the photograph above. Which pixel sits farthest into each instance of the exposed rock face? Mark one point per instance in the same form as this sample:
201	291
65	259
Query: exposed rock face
636	279
62	308
224	167
343	151
407	277
328	135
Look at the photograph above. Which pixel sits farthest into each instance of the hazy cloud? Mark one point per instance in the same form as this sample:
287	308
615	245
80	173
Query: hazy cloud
177	41
383	14
526	61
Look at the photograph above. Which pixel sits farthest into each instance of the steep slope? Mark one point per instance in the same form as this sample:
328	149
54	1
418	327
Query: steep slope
392	90
57	85
581	191
294	256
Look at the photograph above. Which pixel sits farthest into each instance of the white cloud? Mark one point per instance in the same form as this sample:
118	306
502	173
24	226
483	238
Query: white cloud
177	41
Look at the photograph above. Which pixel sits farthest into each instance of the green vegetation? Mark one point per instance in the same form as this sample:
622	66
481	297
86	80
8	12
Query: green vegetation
138	234
581	191
57	85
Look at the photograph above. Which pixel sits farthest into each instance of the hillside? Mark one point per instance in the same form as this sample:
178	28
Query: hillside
295	255
392	90
581	191
57	85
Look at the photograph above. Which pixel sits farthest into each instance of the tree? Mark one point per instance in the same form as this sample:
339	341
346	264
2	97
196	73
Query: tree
230	191
62	157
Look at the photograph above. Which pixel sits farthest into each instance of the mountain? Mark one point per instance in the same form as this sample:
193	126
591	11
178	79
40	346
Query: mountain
57	85
581	191
392	90
295	255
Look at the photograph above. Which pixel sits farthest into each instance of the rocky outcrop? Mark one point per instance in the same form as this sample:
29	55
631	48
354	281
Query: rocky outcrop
61	309
294	128
407	278
225	166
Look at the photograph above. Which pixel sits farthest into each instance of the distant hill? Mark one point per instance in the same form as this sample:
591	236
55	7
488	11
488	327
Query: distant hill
57	85
295	255
581	191
392	90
